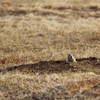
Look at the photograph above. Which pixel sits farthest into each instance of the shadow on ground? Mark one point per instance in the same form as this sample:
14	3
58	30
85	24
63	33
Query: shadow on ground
91	64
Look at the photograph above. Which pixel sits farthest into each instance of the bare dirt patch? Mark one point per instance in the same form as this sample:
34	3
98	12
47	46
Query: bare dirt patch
91	64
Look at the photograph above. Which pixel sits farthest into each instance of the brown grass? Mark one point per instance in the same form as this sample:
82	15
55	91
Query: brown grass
36	36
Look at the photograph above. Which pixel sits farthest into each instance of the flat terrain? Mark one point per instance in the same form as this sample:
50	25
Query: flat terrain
35	38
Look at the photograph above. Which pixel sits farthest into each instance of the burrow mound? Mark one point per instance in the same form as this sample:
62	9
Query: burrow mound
91	64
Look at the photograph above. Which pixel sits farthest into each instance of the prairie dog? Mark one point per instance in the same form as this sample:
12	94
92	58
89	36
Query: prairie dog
70	58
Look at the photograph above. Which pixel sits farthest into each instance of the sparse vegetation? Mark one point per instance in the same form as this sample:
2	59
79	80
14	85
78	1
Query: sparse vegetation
36	36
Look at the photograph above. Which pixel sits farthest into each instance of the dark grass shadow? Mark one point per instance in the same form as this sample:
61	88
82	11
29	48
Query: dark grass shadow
89	59
41	67
52	66
14	13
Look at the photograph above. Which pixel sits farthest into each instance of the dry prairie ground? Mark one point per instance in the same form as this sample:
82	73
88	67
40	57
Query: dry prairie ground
36	36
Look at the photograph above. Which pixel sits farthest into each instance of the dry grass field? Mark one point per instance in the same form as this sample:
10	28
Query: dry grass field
35	38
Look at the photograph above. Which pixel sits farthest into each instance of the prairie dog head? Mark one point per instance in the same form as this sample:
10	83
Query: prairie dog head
70	58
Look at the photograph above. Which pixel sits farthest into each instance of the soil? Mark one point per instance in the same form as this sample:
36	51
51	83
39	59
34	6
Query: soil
91	64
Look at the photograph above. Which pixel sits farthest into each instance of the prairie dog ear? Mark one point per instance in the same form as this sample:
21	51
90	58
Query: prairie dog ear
70	58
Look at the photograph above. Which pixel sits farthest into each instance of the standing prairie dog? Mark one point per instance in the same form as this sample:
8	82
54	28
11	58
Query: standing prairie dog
70	58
